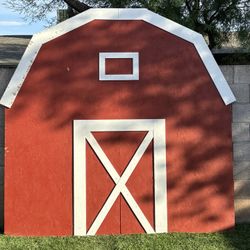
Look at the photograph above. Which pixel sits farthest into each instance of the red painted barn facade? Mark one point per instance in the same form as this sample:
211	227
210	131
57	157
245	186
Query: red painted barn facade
118	123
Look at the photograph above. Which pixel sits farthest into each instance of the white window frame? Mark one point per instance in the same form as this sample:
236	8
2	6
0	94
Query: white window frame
82	135
118	77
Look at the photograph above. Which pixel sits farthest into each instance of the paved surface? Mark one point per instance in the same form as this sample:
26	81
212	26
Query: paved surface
12	49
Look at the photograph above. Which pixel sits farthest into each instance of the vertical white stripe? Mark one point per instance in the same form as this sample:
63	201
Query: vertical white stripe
79	180
160	178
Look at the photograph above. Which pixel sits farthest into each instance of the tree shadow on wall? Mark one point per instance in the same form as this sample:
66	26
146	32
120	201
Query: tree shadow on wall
173	85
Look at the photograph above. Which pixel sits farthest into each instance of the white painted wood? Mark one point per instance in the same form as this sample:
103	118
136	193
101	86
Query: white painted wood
118	77
79	151
214	70
160	177
120	185
82	133
115	177
158	21
118	125
116	14
103	158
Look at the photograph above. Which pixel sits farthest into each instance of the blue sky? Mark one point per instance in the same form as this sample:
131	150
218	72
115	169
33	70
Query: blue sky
11	23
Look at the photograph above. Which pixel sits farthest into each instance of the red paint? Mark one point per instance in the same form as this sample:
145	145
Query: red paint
61	87
119	148
118	66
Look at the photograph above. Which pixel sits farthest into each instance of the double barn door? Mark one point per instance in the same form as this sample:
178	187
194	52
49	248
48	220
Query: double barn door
119	176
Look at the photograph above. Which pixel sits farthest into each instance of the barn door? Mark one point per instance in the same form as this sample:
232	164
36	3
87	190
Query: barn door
94	167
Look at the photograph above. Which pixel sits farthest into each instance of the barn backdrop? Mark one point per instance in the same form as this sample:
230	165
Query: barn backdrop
118	123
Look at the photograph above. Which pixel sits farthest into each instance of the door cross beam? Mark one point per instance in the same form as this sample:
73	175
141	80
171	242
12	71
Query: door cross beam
82	135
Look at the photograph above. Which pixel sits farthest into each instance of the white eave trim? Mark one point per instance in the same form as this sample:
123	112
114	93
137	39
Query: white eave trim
115	14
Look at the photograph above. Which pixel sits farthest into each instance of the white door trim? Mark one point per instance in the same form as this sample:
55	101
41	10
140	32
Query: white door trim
82	133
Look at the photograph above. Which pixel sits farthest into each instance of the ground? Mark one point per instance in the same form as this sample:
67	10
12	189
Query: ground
235	239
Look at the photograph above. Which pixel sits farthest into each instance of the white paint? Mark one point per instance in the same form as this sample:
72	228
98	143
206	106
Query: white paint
79	173
120	185
82	133
116	14
118	77
160	176
214	70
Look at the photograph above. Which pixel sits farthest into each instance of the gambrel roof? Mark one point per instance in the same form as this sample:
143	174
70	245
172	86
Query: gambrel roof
116	14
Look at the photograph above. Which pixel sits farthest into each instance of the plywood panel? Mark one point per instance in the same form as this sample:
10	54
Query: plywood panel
173	85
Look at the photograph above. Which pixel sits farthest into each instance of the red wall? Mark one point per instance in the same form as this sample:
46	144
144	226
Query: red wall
63	85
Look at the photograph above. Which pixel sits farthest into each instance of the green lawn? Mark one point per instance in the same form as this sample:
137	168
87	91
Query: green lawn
239	238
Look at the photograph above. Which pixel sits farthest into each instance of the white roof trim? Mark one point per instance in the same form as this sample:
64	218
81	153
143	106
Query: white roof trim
116	14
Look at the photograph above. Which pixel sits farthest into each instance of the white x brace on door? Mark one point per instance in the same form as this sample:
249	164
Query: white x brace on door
156	132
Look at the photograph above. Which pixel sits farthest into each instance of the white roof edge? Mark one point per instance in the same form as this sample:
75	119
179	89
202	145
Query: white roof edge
116	14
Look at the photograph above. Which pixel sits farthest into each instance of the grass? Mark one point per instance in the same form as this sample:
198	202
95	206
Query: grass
237	239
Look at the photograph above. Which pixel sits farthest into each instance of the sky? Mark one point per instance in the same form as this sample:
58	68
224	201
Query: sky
11	23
